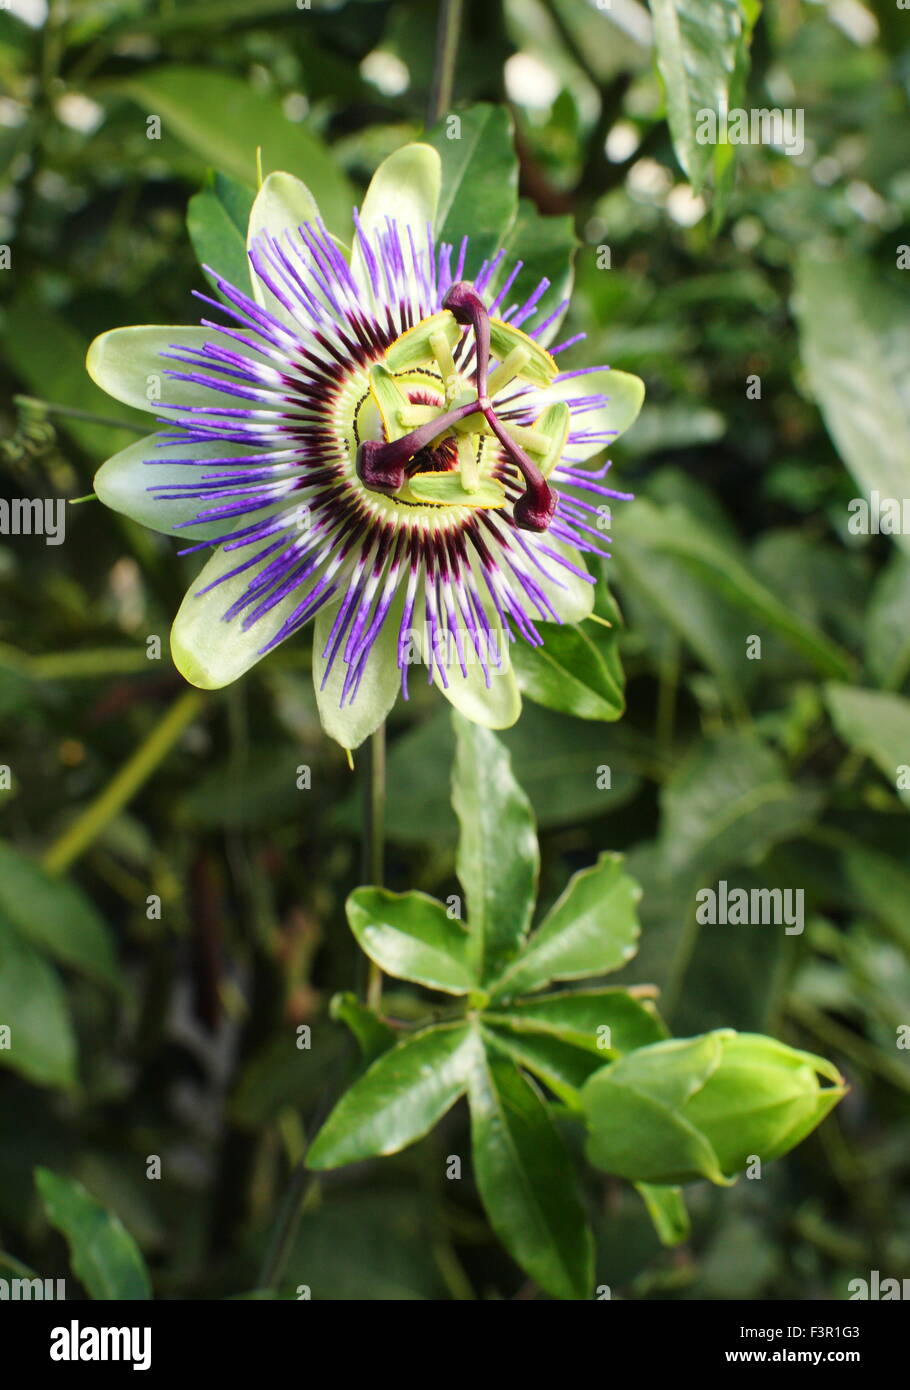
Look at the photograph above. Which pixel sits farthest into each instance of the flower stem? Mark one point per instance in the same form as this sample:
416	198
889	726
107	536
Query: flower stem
123	786
447	34
374	842
73	413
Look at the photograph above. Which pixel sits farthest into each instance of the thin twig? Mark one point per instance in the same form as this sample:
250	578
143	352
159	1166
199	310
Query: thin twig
447	34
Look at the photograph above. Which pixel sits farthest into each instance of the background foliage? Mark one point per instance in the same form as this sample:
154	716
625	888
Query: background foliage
175	1036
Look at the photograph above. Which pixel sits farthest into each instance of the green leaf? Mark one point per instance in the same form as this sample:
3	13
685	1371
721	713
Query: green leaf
855	343
479	194
876	723
399	1098
560	1065
527	1182
663	585
216	219
555	760
724	158
886	627
373	1035
410	936
570	673
104	1256
603	1021
591	929
674	530
33	1005
56	916
727	804
223	120
546	247
498	860
698	42
667	1209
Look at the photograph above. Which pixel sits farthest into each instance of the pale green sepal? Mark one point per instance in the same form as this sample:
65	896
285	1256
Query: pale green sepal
571	596
625	394
127	364
404	188
496	706
208	651
123	482
351	723
282	204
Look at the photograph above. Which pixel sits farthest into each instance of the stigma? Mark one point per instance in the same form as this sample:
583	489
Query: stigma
440	454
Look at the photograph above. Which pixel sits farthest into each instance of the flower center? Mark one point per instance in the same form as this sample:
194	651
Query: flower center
432	453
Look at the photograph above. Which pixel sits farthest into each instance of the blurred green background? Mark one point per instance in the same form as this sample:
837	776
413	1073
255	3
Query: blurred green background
173	1033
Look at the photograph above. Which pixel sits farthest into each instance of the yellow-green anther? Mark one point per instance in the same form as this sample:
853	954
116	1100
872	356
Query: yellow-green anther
539	369
442	351
508	370
553	426
414	347
390	400
467	463
448	489
534	440
410	416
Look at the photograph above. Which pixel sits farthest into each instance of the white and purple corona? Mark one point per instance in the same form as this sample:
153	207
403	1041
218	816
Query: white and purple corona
375	443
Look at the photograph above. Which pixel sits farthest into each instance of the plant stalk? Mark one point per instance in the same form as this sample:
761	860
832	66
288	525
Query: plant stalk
448	32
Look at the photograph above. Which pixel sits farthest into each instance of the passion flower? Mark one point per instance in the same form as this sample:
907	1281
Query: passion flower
372	442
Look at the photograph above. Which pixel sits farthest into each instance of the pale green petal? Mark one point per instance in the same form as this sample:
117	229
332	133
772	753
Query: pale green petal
350	724
405	187
207	650
625	395
495	707
572	597
282	203
123	482
127	364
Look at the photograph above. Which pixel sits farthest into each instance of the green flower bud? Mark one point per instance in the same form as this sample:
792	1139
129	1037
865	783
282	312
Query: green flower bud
703	1107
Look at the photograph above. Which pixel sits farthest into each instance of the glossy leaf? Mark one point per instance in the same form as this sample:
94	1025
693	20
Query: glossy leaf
675	531
666	1207
876	723
546	247
498	859
104	1256
527	1181
399	1098
216	219
855	343
591	929
569	673
479	193
561	1066
56	916
411	937
727	803
223	120
33	1005
697	45
603	1021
